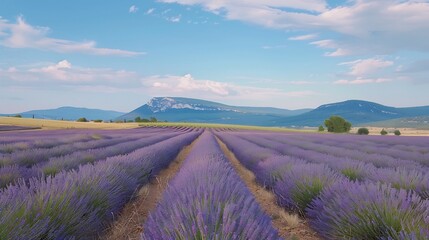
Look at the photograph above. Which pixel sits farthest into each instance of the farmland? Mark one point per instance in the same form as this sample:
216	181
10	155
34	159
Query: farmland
75	183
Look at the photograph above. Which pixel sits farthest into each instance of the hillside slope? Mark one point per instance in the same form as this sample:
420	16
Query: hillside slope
355	111
195	110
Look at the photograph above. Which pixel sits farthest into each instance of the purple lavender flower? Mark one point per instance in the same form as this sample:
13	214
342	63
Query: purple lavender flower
351	210
217	205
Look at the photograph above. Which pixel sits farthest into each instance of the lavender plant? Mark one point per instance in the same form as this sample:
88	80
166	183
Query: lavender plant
217	205
302	183
78	204
351	210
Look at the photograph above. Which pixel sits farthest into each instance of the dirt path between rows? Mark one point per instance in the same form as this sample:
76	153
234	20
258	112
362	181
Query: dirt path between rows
288	225
129	225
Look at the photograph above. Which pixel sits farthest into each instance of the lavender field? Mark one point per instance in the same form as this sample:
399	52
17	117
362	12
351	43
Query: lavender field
70	184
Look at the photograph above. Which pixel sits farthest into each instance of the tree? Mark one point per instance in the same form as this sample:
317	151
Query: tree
138	119
337	124
321	128
18	116
82	119
363	131
397	133
153	119
383	132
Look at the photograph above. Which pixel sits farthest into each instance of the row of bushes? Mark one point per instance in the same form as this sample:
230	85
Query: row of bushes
137	119
365	131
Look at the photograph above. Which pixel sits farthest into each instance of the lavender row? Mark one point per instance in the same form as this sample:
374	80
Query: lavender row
217	205
408	179
44	139
80	203
30	157
30	136
357	150
363	146
378	160
411	178
41	136
54	165
46	142
67	162
339	208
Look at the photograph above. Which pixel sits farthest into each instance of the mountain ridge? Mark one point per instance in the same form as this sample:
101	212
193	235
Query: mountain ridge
70	113
355	111
179	109
196	110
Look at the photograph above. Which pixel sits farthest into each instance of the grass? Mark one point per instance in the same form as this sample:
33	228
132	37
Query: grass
57	124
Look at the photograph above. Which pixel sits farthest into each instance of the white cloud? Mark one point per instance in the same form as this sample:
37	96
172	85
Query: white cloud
363	67
331	44
366	71
174	19
133	9
267	47
362	81
303	37
187	85
23	35
64	72
150	11
213	5
363	26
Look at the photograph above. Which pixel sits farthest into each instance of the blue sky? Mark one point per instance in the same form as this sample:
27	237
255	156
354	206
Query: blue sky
280	53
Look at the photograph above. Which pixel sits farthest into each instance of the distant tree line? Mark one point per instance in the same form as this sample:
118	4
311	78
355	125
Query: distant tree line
337	124
151	119
82	119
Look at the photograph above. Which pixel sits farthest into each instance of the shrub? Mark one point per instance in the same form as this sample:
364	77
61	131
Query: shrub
383	132
337	124
18	116
397	133
363	131
97	120
82	119
321	128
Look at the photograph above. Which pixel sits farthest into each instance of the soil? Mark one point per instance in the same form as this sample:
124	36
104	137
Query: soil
129	225
289	225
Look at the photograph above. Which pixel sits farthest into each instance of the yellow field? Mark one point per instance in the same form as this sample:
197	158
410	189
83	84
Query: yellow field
56	124
404	131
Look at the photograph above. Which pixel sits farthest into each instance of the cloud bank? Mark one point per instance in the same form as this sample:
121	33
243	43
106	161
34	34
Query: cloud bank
364	26
23	35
